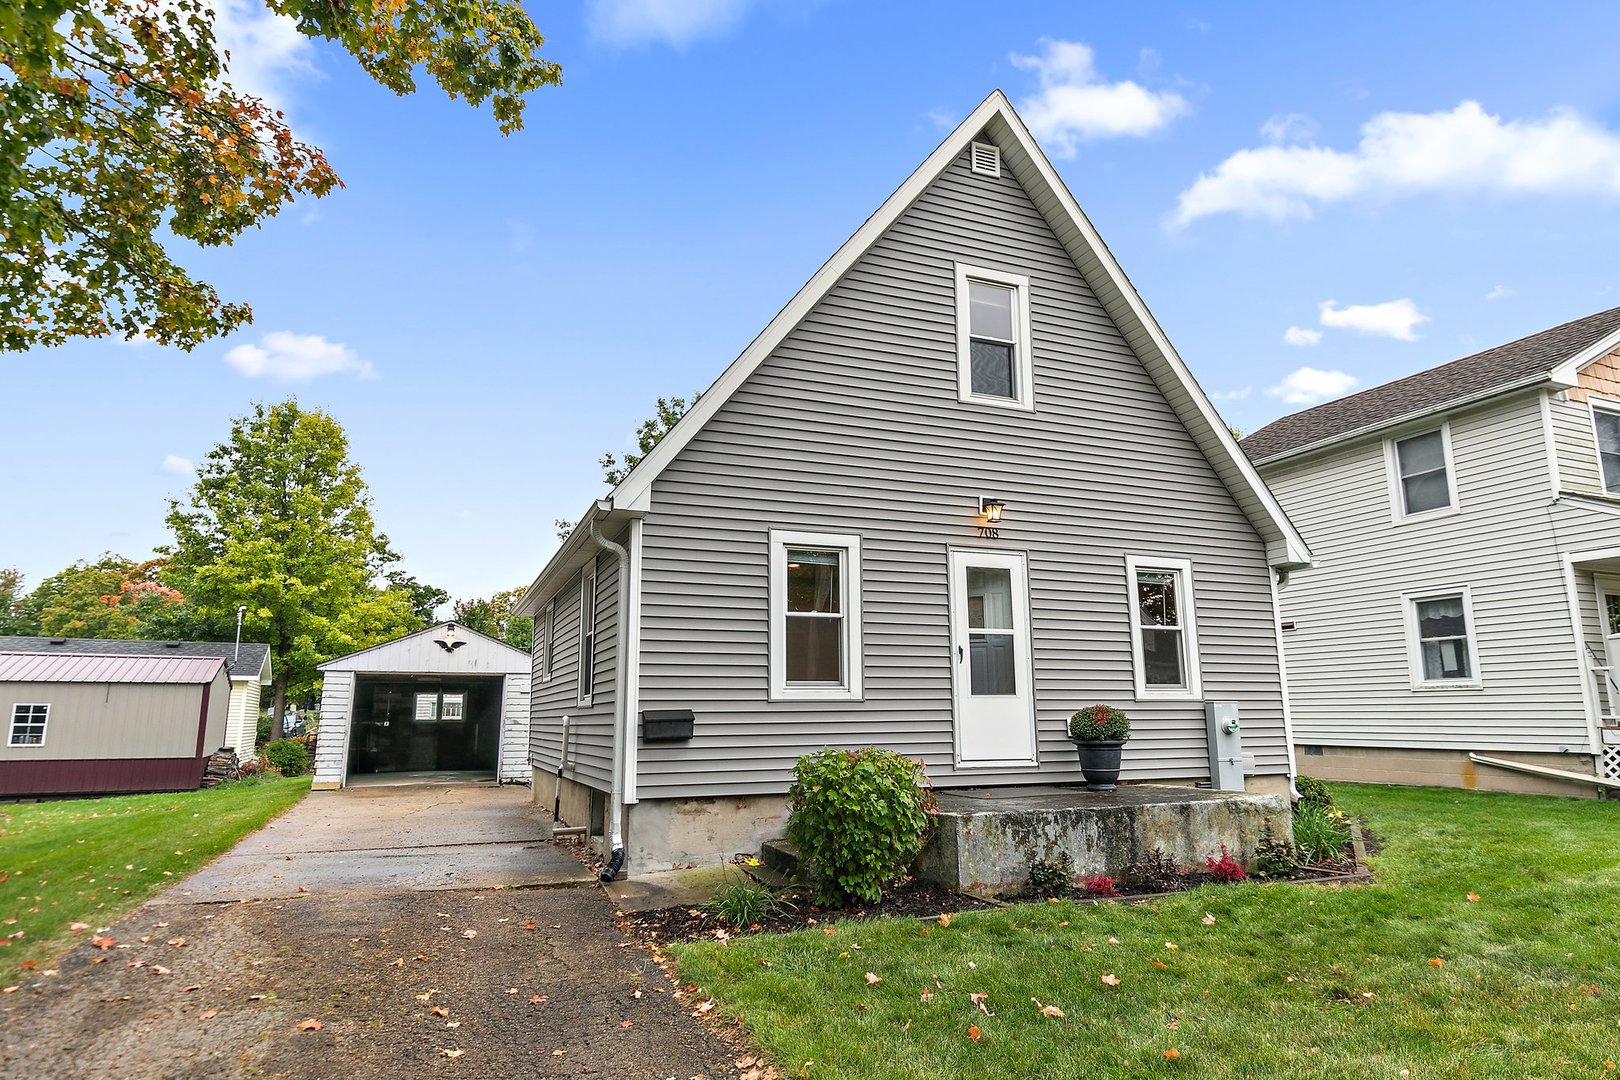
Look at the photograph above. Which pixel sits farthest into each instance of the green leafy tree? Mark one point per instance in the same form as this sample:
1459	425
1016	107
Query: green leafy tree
494	617
14	619
425	600
280	520
648	435
119	126
107	598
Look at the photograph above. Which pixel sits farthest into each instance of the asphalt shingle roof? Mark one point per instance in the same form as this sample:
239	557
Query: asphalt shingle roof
251	662
1470	377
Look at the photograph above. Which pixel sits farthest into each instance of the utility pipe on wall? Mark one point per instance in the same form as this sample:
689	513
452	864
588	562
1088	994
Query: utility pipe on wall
621	727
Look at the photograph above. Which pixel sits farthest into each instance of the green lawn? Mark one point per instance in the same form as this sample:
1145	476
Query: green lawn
1407	976
92	860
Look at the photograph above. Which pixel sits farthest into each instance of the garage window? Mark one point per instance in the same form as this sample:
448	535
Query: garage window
28	724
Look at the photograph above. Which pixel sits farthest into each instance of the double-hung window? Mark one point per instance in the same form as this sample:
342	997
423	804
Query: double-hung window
546	644
992	338
587	635
1421	468
1164	634
28	724
1440	634
815	602
1606	422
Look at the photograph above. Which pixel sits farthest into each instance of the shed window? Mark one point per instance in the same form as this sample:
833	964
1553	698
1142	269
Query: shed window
587	635
1441	639
1164	641
1607	422
815	615
1423	473
992	326
28	724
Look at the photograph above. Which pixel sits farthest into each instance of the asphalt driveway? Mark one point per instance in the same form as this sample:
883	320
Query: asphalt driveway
399	931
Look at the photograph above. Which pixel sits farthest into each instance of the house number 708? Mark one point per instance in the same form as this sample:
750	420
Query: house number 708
989	532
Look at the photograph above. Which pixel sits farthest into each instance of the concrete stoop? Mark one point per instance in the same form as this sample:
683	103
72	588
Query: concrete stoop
985	840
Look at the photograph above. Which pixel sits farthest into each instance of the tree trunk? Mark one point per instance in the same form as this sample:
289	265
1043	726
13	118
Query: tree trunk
278	708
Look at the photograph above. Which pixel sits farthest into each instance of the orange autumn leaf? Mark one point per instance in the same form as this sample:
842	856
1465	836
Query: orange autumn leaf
1172	1054
1437	962
1473	898
311	1024
974	1032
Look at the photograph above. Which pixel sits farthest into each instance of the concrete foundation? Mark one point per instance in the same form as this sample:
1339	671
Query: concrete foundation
986	839
663	833
1443	768
581	805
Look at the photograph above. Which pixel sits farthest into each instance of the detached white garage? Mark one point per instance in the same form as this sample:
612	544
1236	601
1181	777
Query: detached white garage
441	700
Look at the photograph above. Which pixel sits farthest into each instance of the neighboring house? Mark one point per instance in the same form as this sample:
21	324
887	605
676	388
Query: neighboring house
443	699
1466	597
961	486
248	664
101	724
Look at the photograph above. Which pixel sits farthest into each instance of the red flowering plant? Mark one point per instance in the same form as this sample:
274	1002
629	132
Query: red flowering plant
1099	723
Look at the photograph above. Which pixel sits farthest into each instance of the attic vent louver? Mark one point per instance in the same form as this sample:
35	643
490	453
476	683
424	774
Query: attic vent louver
986	159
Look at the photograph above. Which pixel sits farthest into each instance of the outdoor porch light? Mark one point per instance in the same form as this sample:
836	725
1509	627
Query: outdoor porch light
991	509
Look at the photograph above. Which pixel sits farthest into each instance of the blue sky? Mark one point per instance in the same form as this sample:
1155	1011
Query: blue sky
1310	198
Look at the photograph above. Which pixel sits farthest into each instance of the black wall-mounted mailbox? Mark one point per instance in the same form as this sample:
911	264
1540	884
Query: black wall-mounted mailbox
666	725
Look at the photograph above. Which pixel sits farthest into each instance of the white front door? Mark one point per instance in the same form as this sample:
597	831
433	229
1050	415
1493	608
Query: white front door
995	717
1609	616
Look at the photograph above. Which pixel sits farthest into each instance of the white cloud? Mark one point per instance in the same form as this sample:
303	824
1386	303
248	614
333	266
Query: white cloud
1074	104
673	22
1299	335
266	50
943	119
1289	128
1240	394
297	358
1308	385
1465	149
1500	292
1393	318
178	466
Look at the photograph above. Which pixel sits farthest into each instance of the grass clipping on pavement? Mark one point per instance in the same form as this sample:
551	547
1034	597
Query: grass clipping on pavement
71	867
1487	946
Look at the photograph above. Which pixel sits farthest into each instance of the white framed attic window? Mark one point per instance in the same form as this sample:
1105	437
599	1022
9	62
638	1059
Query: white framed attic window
1606	431
587	636
1421	474
993	363
815	600
28	725
1164	628
546	642
1440	640
985	159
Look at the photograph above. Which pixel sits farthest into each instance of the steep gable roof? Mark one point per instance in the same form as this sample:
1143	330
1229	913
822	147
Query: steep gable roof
996	120
251	664
1551	355
519	660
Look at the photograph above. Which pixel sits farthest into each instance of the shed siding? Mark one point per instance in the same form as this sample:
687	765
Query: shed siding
332	748
590	732
514	752
98	720
853	426
1348	666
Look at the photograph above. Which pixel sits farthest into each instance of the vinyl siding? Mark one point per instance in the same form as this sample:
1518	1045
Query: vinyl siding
117	720
590	735
332	748
1578	469
242	722
1348	665
514	750
853	426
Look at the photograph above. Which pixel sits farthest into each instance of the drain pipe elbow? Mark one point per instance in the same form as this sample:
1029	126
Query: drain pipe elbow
614	865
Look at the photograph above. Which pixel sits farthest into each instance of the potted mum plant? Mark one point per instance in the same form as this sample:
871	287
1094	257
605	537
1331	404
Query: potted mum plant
1098	732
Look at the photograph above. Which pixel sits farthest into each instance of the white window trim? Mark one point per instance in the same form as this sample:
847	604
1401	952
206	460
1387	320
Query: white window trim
849	601
1596	404
587	635
1414	643
1187	598
1023	360
11	732
548	645
1392	467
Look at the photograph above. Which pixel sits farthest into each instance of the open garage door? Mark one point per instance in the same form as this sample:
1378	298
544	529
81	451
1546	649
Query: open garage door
425	724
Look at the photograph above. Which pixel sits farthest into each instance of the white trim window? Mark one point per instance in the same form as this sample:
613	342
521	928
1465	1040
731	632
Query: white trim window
1606	432
548	641
815	639
1440	640
587	635
28	724
1164	628
993	362
1420	473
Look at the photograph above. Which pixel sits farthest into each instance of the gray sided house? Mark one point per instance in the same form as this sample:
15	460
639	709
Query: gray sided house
103	724
961	486
443	699
1466	597
247	663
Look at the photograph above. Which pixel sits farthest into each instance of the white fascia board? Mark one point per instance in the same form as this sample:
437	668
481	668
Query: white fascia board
1566	372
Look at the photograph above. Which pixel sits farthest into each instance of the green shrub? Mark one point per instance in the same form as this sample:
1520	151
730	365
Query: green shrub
1051	878
288	756
859	818
1321	832
262	735
1100	722
1312	790
1274	858
744	903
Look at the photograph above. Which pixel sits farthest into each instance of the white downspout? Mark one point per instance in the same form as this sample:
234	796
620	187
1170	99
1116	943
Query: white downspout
621	733
1287	691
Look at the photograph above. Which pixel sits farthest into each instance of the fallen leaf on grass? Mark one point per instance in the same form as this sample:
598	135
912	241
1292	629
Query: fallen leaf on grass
208	1014
1049	1010
1110	979
1172	1054
1436	962
1172	946
77	926
979	1000
1473	898
926	996
872	979
1161	965
974	1032
945	920
704	1007
311	1024
1113	941
1208	920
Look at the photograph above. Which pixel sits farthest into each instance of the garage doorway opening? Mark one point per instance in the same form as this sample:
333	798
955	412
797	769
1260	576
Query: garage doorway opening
410	724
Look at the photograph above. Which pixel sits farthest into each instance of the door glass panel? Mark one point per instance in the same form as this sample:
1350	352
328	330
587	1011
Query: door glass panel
812	580
991	665
815	649
989	596
1611	606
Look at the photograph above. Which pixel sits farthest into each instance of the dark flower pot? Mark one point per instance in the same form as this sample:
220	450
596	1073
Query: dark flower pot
1099	761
